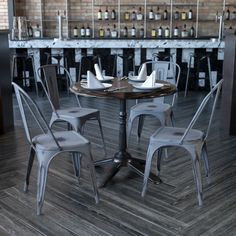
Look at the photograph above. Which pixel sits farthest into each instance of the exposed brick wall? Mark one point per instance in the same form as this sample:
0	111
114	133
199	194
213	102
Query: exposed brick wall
80	13
3	14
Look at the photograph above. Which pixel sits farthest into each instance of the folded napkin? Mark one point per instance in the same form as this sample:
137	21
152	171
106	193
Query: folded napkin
150	81
92	81
98	72
143	73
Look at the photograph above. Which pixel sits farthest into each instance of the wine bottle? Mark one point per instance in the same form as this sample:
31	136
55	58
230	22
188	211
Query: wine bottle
151	15
158	14
88	31
165	14
114	32
108	32
141	32
113	14
106	14
183	15
37	32
167	32
82	31
176	15
160	32
190	14
192	32
139	15
127	15
184	32
125	32
227	14
133	31
75	32
176	31
101	33
30	31
133	15
153	33
99	14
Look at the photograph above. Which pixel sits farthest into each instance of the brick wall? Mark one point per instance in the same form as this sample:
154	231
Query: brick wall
3	14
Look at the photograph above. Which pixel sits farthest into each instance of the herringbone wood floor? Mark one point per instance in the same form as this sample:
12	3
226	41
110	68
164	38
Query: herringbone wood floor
168	209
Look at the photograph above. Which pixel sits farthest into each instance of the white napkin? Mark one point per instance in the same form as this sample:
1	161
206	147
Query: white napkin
150	81
92	81
143	73
98	72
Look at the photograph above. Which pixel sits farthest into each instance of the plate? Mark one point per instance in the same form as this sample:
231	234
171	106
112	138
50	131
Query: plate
106	86
106	78
135	78
156	86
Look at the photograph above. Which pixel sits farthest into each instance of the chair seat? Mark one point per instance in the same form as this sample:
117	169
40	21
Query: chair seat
68	140
173	135
76	112
146	108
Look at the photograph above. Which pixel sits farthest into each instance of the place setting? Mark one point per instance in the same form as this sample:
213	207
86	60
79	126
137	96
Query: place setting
146	82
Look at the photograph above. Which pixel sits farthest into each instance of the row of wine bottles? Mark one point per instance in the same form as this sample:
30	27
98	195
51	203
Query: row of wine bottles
139	15
134	32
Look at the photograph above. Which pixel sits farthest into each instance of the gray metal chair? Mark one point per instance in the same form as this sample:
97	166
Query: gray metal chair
167	71
74	116
192	140
48	145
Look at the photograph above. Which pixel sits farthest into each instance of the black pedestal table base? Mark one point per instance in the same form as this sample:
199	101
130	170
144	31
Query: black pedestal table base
122	158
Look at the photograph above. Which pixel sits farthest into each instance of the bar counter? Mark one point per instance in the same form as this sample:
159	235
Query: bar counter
118	43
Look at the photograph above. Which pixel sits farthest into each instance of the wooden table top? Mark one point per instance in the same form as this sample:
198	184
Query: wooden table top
123	89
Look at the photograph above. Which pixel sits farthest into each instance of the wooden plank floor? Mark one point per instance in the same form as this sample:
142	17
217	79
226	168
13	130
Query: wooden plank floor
168	209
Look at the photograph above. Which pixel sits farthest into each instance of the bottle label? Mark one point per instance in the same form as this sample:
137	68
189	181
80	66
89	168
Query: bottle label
75	32
151	15
82	32
99	15
153	34
157	16
87	32
133	32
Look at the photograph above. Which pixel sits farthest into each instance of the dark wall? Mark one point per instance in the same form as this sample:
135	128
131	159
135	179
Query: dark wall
6	108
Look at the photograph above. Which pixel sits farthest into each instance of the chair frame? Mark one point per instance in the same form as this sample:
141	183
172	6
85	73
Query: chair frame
176	75
52	93
196	149
45	157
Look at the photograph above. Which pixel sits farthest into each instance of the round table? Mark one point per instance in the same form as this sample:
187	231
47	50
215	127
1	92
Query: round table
123	90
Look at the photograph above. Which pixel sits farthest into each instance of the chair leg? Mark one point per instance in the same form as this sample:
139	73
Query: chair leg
150	153
140	126
76	159
93	177
30	164
187	79
41	184
205	159
101	131
197	177
159	156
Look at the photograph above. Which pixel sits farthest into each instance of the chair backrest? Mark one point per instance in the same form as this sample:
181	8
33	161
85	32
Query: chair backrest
216	91
48	77
28	110
167	71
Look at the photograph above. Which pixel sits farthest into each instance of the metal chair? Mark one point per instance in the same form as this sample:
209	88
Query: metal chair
74	116
167	71
48	145
192	140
